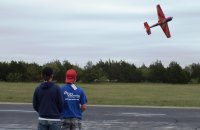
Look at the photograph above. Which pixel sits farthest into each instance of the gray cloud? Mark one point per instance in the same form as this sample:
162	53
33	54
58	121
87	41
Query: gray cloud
35	32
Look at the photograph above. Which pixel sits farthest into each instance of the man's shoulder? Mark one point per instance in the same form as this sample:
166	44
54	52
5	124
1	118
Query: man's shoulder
80	89
65	86
55	85
37	87
68	86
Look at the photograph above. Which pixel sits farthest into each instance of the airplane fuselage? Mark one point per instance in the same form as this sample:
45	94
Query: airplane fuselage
160	22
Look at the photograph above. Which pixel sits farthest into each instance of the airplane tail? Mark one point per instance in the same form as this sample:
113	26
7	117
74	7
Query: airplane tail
147	28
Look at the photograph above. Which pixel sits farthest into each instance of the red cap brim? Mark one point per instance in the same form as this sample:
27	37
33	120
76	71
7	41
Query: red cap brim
69	80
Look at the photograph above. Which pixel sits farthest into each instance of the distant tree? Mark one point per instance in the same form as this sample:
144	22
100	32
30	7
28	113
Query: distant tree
156	72
89	74
4	71
195	71
92	73
18	67
88	65
14	77
188	69
33	72
67	65
120	71
18	71
114	71
129	72
175	74
117	71
145	72
103	70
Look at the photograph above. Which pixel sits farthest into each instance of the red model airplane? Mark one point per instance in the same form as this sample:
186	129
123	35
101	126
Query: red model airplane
162	21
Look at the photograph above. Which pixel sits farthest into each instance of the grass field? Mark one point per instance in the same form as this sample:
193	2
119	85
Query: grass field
116	94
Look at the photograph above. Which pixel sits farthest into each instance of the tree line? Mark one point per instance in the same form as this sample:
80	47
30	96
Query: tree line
103	71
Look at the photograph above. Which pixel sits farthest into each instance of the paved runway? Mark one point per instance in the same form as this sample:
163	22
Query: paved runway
22	117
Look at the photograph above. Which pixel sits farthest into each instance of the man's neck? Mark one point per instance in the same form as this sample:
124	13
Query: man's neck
50	80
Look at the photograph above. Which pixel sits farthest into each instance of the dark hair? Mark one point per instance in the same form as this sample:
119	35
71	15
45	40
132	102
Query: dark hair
47	73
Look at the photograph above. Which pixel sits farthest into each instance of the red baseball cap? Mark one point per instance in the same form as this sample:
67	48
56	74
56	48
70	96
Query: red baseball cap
70	76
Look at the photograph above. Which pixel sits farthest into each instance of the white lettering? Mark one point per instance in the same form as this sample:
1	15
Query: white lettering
71	95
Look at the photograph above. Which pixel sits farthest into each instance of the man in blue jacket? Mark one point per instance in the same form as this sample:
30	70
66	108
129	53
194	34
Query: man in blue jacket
48	102
74	103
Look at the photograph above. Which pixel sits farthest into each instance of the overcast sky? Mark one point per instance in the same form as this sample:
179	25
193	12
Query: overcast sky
91	30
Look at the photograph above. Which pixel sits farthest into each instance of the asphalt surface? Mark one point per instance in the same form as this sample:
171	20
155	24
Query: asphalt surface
23	117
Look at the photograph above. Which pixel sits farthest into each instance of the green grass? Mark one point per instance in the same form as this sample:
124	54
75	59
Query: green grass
16	92
116	94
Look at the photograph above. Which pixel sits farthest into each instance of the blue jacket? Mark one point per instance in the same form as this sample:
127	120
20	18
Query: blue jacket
73	98
47	100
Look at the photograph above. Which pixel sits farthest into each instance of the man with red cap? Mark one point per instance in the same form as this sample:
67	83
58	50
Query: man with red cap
74	103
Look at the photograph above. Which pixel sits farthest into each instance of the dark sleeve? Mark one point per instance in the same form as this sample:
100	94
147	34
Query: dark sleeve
60	100
35	100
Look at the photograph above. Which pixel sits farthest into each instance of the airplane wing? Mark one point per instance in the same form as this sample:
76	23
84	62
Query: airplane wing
161	15
165	29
